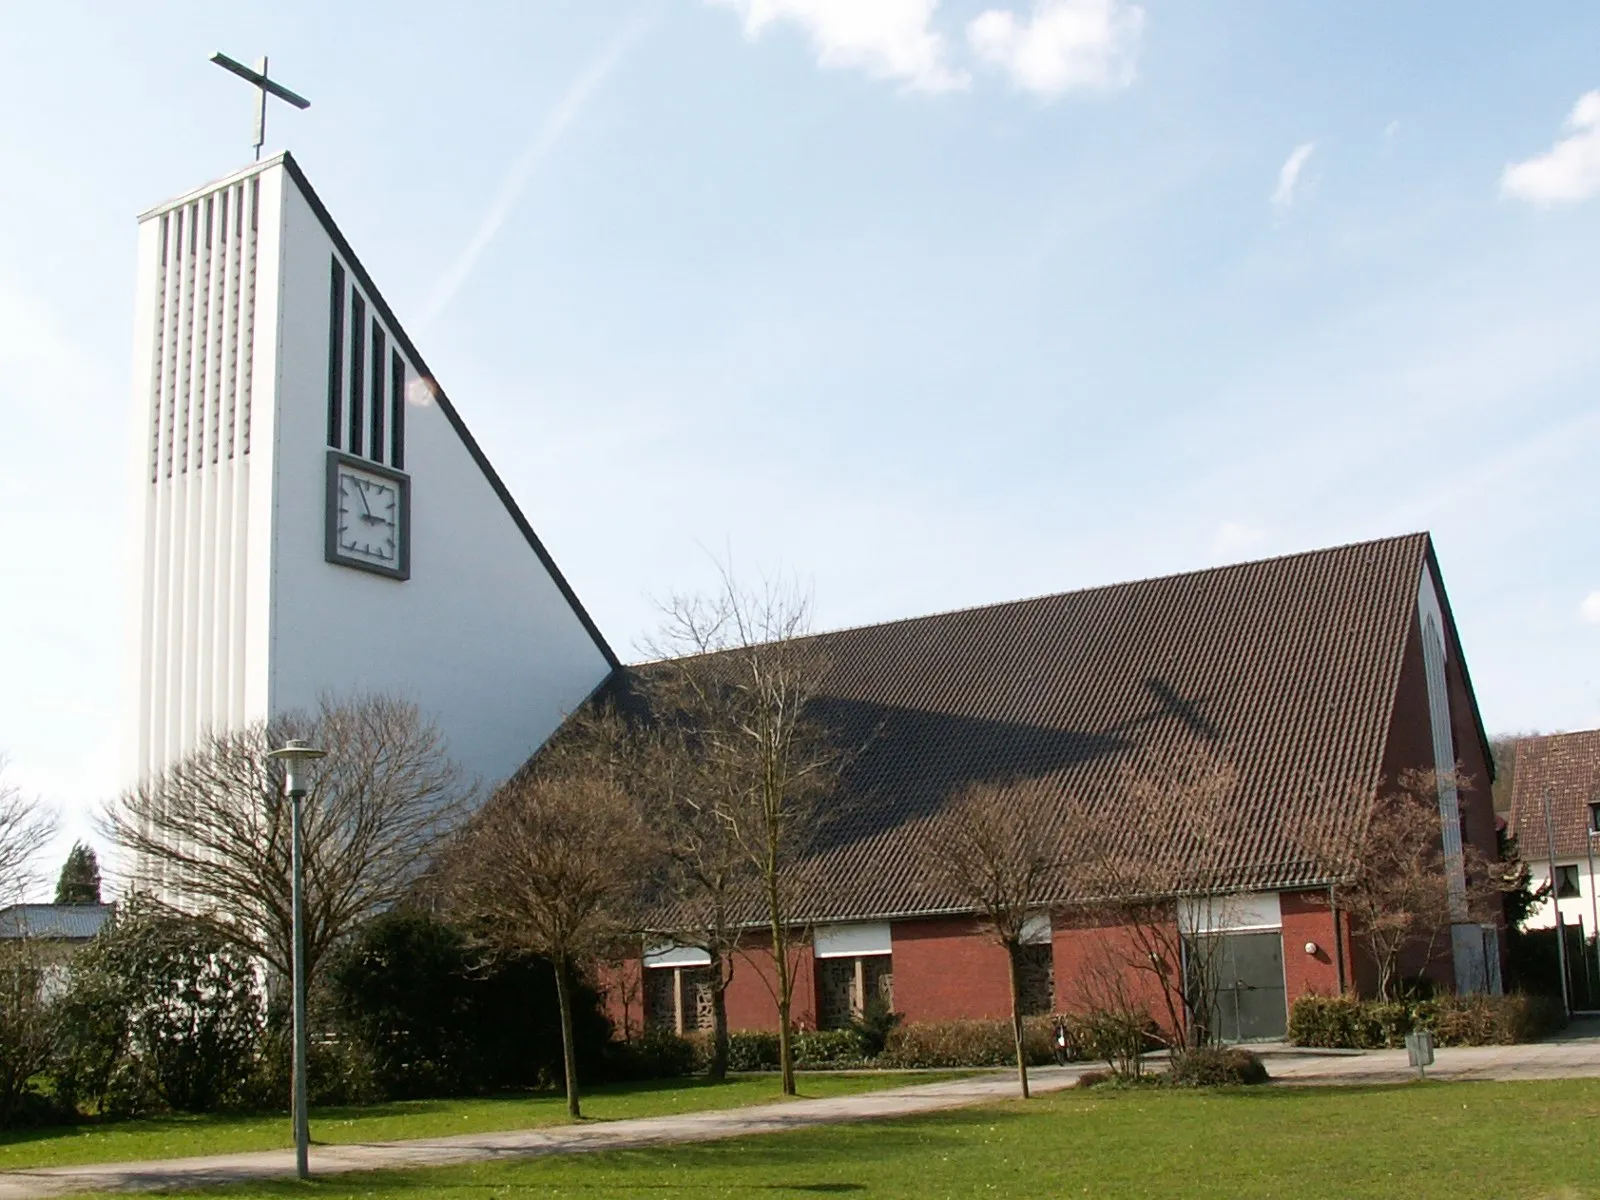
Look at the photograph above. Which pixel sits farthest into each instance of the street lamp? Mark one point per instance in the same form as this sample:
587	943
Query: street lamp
295	754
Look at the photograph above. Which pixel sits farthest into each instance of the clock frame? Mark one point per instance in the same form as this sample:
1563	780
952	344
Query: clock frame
342	466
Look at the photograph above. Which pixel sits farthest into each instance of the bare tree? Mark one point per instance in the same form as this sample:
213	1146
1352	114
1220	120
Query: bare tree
744	680
555	864
25	828
1153	862
689	801
1393	879
210	836
997	848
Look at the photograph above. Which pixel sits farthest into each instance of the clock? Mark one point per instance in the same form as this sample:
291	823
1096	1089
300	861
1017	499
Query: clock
368	517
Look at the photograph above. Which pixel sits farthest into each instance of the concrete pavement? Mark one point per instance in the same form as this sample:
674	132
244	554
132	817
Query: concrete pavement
1575	1055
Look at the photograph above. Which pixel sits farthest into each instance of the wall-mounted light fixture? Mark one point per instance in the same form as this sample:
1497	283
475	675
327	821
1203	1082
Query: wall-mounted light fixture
1311	947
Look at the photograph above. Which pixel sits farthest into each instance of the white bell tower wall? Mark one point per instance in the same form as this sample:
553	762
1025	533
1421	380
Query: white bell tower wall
262	345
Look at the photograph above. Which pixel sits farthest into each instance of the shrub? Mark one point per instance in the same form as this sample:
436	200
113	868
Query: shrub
1091	1079
965	1044
656	1054
873	1027
338	1071
160	1013
752	1050
1216	1066
27	1033
1326	1021
435	1019
1344	1022
1116	1036
822	1048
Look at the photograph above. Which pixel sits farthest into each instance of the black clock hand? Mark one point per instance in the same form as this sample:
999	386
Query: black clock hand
361	490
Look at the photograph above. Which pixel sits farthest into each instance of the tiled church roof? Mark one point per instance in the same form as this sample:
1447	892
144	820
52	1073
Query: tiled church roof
1568	766
1287	669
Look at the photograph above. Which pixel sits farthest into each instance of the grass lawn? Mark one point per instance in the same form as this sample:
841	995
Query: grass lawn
177	1137
1447	1140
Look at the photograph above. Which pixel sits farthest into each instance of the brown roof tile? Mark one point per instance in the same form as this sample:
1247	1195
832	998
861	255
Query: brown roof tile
1287	668
1567	765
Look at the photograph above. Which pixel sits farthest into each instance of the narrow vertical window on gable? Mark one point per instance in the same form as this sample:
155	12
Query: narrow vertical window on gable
375	441
358	360
335	355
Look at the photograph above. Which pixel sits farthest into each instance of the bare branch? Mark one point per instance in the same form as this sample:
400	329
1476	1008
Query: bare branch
25	828
211	834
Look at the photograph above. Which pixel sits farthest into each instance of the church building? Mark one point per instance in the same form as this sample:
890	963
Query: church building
1317	678
315	518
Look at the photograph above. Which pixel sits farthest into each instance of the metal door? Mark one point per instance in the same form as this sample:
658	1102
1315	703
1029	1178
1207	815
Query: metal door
1251	1003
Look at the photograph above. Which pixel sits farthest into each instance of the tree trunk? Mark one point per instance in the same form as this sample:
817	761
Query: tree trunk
569	1051
785	995
719	1023
1012	952
780	955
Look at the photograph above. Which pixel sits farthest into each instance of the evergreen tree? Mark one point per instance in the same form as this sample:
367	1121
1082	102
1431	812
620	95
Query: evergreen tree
80	877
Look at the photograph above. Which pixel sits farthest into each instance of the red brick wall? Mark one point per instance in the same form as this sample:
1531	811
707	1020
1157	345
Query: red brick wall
621	989
1307	918
751	1003
946	969
1087	953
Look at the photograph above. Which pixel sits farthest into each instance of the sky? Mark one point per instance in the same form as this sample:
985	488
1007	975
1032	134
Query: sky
927	304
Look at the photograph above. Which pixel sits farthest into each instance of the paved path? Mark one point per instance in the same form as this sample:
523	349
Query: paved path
1575	1055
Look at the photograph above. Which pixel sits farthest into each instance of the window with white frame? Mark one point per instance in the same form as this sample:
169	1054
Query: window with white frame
1567	882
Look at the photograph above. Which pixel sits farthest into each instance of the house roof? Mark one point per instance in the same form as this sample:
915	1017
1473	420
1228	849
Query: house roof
59	922
1286	669
1567	765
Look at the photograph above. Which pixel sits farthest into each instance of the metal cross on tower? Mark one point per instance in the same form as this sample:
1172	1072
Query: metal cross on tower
263	85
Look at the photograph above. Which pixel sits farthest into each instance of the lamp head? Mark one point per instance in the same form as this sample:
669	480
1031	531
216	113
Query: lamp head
294	753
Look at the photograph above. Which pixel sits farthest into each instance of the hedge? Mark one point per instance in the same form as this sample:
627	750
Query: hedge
1346	1023
966	1044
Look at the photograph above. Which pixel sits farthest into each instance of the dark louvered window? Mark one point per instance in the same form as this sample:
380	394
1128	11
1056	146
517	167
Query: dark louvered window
335	355
358	361
397	409
375	442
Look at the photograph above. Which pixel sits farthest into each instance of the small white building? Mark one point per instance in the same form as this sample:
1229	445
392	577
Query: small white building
1561	771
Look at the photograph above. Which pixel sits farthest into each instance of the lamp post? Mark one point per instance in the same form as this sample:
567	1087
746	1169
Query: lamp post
295	755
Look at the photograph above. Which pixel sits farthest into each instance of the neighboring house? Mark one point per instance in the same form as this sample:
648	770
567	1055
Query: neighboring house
57	931
63	924
1316	676
1565	769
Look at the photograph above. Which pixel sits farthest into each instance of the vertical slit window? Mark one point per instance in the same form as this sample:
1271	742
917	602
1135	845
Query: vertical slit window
358	358
375	441
397	410
335	354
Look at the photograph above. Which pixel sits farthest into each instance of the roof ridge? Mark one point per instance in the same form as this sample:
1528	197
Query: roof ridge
1416	535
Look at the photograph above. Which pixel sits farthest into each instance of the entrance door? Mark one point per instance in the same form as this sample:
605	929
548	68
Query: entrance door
1251	1003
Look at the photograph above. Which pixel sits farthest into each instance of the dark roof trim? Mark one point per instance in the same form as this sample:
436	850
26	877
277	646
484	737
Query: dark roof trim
1461	658
449	409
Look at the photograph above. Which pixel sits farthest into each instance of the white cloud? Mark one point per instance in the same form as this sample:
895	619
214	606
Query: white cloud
1234	538
1289	174
1589	610
1570	170
888	39
1067	45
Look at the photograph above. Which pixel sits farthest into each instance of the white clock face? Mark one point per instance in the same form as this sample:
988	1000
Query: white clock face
367	514
369	518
